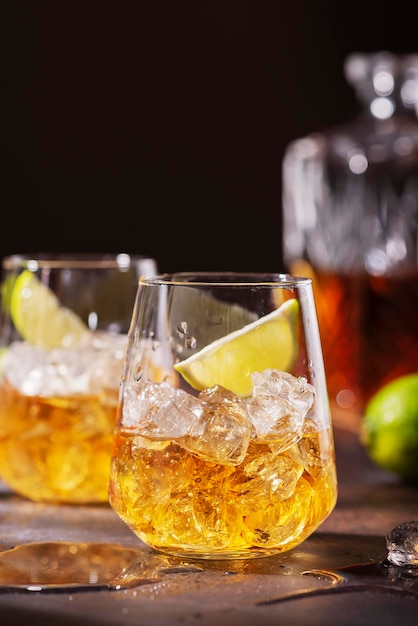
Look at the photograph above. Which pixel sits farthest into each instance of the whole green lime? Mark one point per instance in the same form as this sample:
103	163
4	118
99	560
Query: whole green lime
389	428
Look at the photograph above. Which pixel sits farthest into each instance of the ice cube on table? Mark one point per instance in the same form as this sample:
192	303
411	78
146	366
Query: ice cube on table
402	545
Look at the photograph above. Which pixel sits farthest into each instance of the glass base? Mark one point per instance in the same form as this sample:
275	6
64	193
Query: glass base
189	553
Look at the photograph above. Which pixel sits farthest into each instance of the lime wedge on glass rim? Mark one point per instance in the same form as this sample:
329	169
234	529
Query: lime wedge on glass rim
268	342
38	316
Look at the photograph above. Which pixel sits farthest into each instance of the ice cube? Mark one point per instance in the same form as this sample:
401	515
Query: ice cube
104	353
266	479
91	366
217	425
278	407
214	425
159	411
402	545
222	432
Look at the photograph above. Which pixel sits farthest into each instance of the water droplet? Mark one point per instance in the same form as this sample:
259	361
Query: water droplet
191	342
182	328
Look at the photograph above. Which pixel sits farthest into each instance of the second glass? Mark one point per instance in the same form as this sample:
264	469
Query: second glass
63	333
223	445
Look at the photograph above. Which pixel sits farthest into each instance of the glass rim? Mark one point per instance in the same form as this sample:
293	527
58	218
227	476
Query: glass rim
225	279
73	260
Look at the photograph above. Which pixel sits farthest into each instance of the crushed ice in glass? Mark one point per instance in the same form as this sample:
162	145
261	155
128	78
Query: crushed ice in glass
93	364
217	425
402	545
279	421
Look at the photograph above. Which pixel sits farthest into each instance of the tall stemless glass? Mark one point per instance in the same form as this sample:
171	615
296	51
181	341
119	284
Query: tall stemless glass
223	443
63	332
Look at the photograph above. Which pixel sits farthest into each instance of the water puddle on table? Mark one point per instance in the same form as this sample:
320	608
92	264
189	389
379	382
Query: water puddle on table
80	566
61	565
376	577
396	574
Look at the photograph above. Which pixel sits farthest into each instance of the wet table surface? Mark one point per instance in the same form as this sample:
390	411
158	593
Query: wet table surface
273	590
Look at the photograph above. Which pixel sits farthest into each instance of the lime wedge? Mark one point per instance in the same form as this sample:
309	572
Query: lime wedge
268	342
38	317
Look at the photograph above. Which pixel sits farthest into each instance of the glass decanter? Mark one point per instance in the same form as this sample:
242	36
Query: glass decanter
350	214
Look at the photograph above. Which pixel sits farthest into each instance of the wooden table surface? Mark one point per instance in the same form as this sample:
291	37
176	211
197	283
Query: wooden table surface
232	593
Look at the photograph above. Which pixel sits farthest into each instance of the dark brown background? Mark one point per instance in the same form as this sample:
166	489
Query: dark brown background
159	127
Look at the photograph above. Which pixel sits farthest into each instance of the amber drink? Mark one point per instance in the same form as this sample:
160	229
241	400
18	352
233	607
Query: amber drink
223	445
369	329
55	444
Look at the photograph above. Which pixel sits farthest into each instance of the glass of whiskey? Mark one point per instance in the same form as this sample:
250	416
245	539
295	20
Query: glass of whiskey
223	444
63	332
